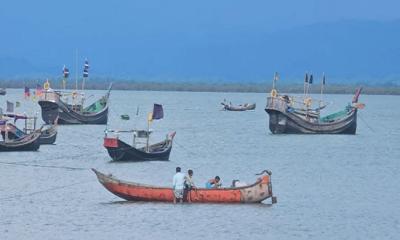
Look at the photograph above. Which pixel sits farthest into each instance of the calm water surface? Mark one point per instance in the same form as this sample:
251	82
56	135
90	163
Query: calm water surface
328	187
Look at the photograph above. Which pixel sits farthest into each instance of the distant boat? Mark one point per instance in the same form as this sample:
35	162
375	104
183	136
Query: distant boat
290	115
53	106
131	191
139	150
243	107
3	91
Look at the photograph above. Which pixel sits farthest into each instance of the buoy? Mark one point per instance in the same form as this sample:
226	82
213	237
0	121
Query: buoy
125	117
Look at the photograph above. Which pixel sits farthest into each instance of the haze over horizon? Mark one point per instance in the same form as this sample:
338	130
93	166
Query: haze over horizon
177	40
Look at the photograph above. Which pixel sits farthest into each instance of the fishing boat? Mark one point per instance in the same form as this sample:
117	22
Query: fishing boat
68	106
48	133
291	115
53	106
3	91
131	191
242	107
141	149
27	142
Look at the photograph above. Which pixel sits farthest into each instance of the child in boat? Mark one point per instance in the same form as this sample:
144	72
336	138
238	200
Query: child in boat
214	182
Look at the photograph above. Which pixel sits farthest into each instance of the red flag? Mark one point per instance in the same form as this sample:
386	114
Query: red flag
27	93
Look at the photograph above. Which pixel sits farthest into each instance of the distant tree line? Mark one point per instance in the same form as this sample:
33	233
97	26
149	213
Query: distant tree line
205	87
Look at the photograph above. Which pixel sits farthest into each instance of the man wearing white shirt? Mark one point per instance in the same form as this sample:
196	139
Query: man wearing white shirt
178	184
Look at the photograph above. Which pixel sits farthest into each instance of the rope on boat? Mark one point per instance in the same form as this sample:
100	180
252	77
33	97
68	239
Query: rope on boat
365	122
44	191
42	166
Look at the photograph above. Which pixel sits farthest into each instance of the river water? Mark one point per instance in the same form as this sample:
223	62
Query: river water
328	186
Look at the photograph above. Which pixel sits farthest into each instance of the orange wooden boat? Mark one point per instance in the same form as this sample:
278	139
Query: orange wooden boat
254	193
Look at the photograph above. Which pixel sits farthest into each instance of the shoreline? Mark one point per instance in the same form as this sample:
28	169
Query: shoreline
215	87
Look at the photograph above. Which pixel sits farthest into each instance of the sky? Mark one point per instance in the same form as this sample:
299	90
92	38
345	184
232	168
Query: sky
118	34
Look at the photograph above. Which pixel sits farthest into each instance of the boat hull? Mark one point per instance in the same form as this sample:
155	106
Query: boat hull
254	193
27	143
282	121
66	115
120	151
239	108
48	138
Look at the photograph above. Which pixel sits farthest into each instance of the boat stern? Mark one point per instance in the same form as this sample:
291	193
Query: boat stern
110	142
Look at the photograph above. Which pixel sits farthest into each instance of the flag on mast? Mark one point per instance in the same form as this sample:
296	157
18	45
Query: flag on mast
27	92
39	90
65	72
311	79
86	69
158	112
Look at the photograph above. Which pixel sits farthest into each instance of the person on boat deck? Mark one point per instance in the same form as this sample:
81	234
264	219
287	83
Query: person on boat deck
178	184
189	183
214	182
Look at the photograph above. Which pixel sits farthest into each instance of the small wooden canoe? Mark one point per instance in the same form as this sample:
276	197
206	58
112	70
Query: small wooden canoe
254	193
28	142
244	107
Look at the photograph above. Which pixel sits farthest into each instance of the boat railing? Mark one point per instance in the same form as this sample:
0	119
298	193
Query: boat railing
277	103
50	96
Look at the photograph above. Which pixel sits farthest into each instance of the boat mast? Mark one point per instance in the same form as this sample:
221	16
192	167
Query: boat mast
148	133
275	79
64	81
134	128
76	69
322	89
305	83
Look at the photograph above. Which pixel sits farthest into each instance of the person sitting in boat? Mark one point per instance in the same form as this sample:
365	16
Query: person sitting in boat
214	182
178	183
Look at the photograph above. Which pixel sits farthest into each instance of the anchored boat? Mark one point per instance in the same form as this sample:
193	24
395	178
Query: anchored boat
288	114
48	132
68	106
141	149
54	106
25	142
131	191
242	107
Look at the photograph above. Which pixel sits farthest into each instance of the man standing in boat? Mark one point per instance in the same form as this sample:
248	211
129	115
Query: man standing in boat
178	185
189	185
